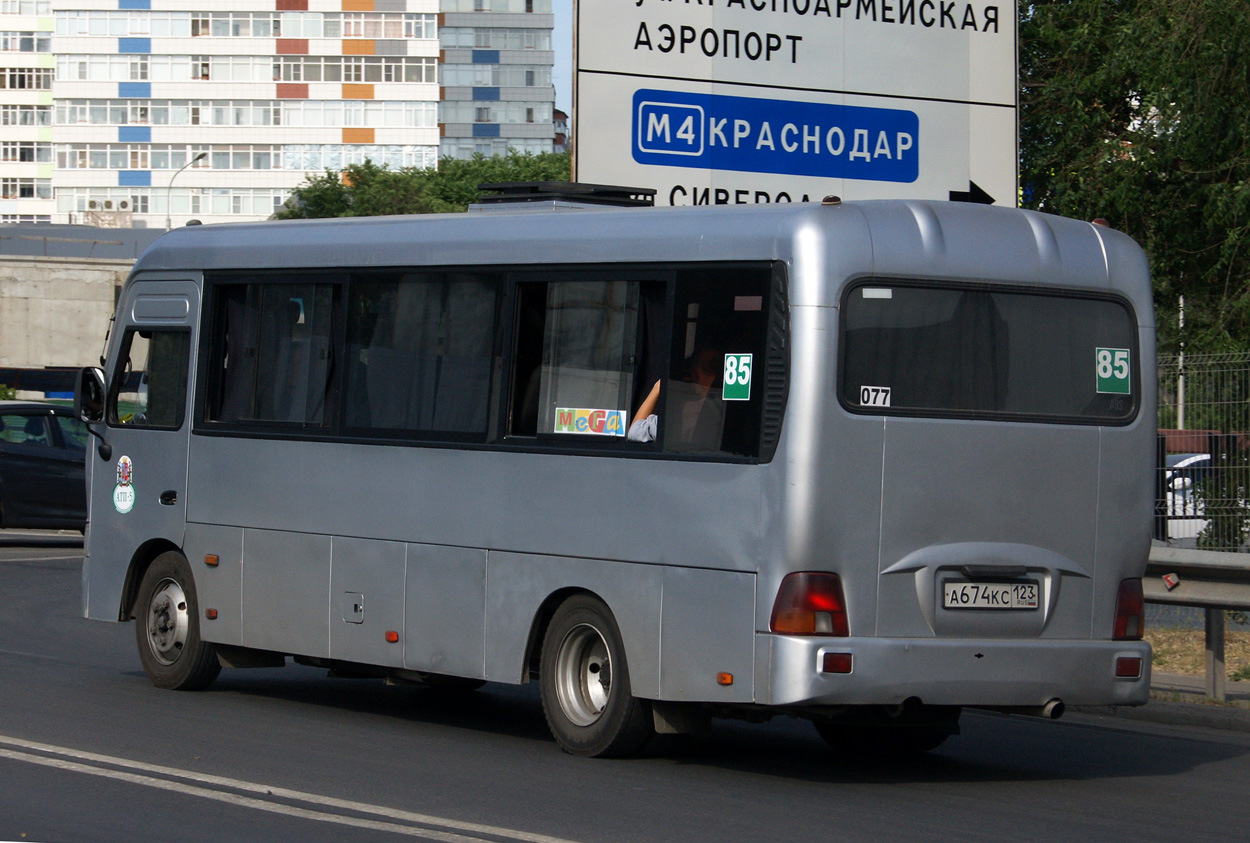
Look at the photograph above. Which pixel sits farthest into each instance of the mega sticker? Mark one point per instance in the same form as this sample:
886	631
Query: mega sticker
592	422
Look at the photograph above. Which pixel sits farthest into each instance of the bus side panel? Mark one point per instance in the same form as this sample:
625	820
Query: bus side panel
286	592
517	584
1125	513
576	506
707	628
444	629
218	587
367	601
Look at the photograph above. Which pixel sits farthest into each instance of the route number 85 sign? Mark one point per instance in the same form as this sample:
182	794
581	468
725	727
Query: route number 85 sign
737	378
1114	371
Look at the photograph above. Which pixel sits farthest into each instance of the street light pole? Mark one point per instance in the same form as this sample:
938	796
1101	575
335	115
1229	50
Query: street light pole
169	190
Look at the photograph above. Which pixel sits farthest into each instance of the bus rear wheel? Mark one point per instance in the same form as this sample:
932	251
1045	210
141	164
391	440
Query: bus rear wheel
167	628
585	684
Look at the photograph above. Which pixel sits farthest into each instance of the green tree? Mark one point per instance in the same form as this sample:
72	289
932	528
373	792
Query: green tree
1138	111
366	190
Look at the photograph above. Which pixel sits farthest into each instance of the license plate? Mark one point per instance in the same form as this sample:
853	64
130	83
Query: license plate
989	595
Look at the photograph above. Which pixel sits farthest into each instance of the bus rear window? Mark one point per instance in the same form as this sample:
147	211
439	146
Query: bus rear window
982	351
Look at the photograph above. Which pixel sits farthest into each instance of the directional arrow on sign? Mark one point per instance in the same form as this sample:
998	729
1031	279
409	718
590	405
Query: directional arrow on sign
974	194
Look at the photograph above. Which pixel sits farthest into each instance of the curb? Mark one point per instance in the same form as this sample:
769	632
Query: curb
1231	718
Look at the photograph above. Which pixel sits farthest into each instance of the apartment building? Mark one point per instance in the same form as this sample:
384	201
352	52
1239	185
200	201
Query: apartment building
26	69
147	113
496	76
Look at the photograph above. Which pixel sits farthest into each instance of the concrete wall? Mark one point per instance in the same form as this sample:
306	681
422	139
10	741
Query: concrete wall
55	311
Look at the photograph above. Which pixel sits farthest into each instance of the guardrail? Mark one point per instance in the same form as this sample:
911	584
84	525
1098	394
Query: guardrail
1207	580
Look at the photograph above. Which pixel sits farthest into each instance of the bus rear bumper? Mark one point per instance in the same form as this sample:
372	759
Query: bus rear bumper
950	672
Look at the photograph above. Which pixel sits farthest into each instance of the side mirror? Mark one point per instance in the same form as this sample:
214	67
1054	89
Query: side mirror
89	394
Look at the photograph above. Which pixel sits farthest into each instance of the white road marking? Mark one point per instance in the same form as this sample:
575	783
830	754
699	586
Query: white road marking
26	655
85	762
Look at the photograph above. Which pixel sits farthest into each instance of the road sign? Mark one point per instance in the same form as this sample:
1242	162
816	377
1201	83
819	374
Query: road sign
741	101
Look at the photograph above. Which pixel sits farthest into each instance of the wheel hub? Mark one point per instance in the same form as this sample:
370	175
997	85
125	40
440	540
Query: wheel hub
583	675
167	621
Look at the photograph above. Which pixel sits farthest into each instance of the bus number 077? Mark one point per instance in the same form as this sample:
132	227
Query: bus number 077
874	396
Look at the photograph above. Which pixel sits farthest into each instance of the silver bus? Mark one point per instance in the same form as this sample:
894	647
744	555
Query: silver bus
862	463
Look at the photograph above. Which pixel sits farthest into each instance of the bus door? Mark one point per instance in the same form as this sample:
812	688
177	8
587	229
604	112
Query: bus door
139	492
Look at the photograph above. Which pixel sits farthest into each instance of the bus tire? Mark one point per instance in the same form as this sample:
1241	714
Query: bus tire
167	628
585	684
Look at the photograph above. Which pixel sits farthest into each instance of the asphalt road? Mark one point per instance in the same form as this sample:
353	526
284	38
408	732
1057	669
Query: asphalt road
89	751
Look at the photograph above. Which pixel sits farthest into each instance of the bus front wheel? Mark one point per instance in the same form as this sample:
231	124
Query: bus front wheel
585	684
167	628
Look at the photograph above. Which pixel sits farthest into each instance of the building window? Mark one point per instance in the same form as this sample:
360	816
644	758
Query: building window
26	42
26	152
26	78
25	115
26	7
17	188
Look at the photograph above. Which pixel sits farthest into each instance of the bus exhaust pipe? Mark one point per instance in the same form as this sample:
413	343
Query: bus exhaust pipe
1052	710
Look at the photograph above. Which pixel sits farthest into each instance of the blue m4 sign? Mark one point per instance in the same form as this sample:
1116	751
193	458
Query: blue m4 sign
745	134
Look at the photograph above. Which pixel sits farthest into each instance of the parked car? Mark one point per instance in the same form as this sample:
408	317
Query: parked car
1182	503
42	451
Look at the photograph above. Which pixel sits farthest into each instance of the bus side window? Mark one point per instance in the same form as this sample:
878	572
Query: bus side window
273	353
589	339
584	349
420	347
531	311
715	387
573	357
150	383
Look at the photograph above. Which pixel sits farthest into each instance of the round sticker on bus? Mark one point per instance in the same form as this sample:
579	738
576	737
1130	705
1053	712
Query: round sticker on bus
123	498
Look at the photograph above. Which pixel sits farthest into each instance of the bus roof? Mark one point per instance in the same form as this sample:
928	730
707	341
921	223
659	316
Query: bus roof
901	238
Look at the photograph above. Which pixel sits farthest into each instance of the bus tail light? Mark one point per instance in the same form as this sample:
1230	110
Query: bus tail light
1128	667
1130	611
810	603
837	663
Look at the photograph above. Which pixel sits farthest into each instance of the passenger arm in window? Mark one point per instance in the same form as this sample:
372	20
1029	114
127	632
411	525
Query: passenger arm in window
642	428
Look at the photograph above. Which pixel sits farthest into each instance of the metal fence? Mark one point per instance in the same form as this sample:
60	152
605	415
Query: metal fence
1202	497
